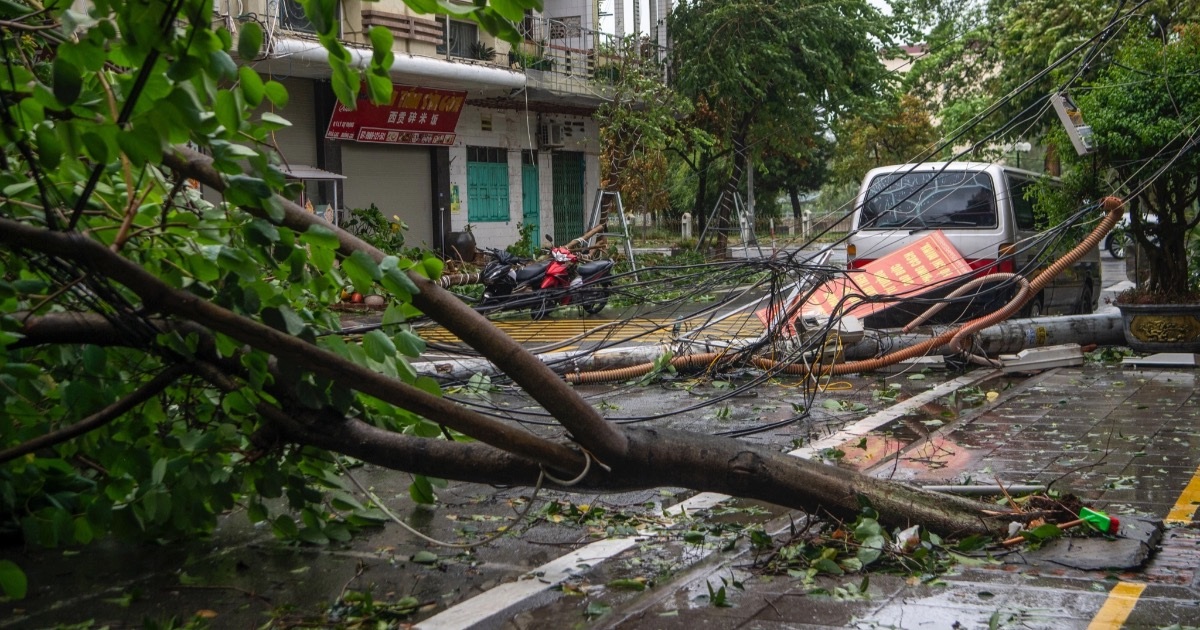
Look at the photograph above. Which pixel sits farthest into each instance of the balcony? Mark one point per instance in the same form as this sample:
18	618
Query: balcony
562	57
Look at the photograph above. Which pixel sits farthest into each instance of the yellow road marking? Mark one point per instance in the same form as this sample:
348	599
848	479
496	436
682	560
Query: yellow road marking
1185	507
1117	607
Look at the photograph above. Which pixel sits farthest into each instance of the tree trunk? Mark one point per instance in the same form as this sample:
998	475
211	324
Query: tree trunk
699	207
794	197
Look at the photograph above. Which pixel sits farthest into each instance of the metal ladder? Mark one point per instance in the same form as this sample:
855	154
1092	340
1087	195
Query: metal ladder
594	220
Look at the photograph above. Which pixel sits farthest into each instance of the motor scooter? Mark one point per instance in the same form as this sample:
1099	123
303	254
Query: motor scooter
568	281
513	282
507	274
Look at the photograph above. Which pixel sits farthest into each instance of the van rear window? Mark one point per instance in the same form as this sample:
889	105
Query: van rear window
949	199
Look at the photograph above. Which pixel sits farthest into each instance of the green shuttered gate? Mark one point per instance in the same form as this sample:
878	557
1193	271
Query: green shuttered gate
487	184
567	170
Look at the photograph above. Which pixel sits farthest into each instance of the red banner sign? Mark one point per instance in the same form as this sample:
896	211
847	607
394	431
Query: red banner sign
416	115
908	270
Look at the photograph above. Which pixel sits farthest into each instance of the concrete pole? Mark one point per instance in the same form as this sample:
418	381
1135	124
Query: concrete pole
1008	337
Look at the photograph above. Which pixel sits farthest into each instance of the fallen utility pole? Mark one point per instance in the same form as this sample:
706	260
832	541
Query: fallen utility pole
1007	337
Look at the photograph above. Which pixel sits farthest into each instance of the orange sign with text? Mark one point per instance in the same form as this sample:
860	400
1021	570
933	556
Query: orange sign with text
909	270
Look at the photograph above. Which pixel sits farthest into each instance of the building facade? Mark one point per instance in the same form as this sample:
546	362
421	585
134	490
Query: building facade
493	136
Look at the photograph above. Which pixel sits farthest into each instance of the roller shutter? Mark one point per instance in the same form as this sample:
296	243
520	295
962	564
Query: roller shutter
298	143
397	180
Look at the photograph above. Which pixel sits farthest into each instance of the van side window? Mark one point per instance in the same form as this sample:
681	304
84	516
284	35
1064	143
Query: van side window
1018	188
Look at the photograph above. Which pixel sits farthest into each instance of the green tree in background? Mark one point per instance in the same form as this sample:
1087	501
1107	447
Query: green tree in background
1143	109
767	76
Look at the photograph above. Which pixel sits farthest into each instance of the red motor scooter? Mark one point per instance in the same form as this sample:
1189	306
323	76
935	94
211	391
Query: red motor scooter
566	279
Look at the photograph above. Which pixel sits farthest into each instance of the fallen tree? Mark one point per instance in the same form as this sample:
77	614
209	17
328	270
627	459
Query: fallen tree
166	359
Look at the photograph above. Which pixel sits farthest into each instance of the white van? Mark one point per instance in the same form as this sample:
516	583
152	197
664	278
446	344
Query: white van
983	210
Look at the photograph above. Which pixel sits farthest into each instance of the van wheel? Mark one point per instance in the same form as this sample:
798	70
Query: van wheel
1086	303
1033	308
1117	243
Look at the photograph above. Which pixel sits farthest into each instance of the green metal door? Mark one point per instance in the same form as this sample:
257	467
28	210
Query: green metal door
568	195
532	212
487	184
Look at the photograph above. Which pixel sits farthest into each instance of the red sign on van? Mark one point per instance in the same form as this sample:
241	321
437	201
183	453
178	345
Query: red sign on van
909	270
415	115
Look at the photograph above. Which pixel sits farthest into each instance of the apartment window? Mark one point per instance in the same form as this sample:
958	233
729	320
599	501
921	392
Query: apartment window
292	18
460	38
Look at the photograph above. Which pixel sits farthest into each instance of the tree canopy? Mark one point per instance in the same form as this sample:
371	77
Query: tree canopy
767	76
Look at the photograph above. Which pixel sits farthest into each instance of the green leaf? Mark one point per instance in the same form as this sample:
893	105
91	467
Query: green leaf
399	284
276	93
379	88
97	147
425	557
284	527
14	190
13	580
320	236
252	86
362	271
596	609
159	471
378	346
1043	532
49	147
274	121
83	531
421	490
222	65
381	42
227	111
409	343
250	41
68	81
871	549
284	319
313	536
826	565
508	9
433	267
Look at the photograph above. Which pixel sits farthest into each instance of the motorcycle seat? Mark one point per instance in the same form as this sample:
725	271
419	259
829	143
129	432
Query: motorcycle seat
594	267
529	272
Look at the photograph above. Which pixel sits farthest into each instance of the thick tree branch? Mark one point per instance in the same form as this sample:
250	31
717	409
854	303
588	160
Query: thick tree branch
68	327
159	297
102	417
585	424
660	457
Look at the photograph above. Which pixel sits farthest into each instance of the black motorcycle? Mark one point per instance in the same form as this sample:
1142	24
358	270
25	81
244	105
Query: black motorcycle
511	281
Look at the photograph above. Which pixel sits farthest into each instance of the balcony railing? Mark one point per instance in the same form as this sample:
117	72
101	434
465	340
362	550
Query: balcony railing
563	56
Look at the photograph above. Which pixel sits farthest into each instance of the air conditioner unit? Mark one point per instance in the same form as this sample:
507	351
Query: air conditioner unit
551	136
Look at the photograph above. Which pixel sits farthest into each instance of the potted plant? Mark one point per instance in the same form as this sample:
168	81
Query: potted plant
1142	109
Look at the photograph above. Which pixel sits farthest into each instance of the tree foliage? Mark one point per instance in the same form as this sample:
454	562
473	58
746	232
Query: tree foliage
643	119
768	76
1143	109
899	132
997	60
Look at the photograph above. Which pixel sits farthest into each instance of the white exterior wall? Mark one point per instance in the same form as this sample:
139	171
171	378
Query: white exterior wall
586	9
514	130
